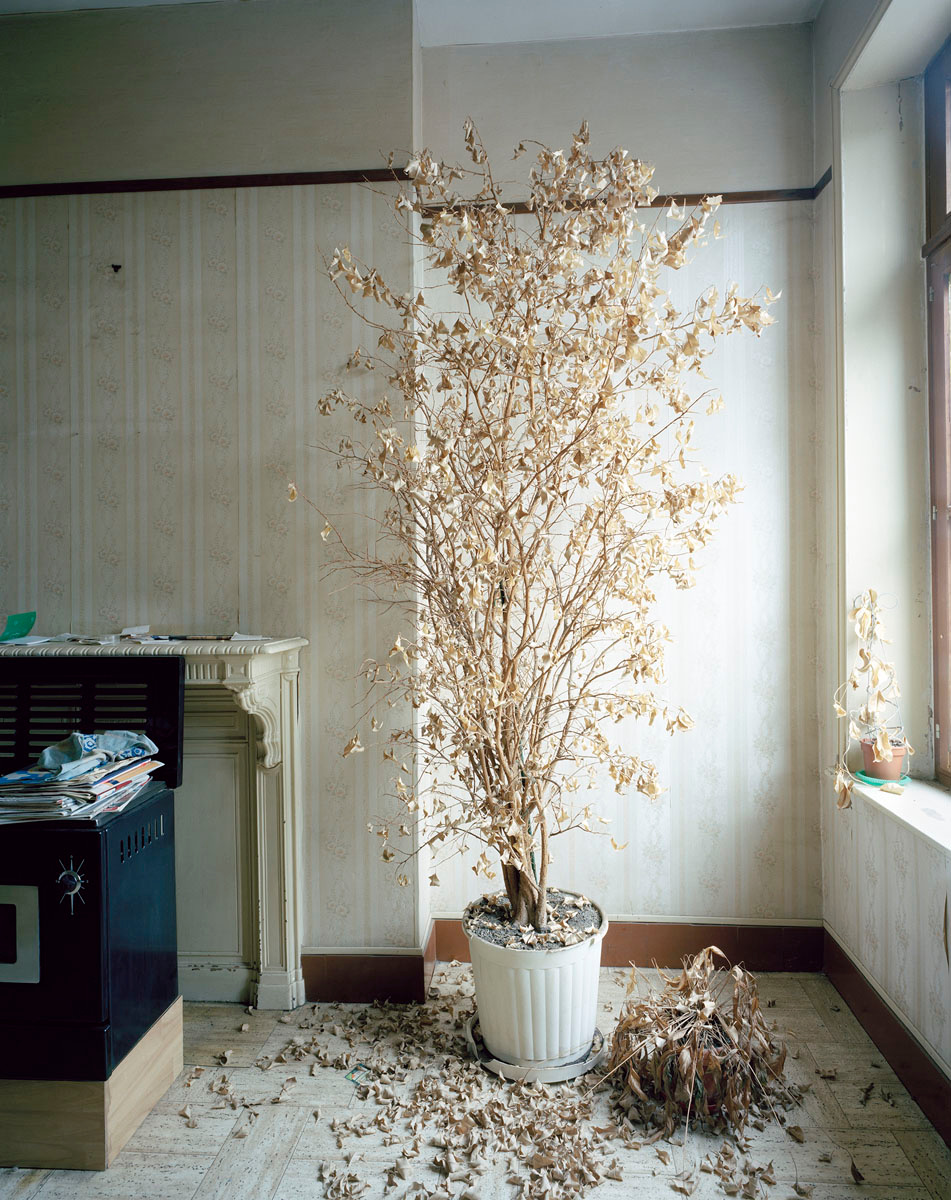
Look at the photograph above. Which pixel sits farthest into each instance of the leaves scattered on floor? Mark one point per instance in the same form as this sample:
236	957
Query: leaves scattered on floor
449	1125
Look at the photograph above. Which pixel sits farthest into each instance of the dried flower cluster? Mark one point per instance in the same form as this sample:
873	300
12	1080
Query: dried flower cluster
878	721
533	449
688	1055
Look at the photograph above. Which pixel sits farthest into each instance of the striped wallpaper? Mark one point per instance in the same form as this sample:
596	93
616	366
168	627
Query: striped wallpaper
161	355
150	417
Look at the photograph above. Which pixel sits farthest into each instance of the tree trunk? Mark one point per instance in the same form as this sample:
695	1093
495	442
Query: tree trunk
529	906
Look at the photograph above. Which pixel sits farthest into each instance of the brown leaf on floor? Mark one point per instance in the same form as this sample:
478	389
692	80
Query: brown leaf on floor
867	1094
856	1173
796	1133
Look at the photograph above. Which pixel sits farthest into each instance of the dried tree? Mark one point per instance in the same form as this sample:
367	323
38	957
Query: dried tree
533	453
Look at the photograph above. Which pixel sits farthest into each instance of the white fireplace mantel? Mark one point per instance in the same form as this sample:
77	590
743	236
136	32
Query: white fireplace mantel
263	677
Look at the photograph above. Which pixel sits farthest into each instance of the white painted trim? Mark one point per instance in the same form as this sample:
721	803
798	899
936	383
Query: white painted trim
903	809
204	980
838	334
860	43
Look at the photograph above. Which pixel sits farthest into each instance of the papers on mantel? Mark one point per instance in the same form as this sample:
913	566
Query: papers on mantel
135	633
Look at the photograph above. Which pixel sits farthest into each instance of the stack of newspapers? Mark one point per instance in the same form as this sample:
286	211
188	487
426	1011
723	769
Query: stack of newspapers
36	794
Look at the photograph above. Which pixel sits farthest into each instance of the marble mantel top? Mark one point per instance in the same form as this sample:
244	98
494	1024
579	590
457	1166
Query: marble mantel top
235	665
197	649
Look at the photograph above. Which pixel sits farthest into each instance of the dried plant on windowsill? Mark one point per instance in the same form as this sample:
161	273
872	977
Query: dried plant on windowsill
692	1053
532	453
876	725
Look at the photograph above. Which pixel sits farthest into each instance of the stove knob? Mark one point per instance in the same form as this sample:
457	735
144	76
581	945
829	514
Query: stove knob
72	881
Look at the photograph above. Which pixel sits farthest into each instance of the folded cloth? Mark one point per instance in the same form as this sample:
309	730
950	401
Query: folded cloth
81	752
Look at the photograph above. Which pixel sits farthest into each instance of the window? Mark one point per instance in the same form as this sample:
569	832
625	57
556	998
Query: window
937	252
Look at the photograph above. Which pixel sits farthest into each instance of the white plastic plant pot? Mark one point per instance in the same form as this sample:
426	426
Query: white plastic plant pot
537	1007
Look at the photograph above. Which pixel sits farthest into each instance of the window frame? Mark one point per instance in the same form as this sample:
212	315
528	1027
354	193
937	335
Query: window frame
939	403
937	254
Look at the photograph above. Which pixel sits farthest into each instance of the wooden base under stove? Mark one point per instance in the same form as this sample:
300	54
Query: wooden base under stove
84	1124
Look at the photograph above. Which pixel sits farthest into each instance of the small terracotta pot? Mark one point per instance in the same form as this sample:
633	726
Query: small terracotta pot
883	770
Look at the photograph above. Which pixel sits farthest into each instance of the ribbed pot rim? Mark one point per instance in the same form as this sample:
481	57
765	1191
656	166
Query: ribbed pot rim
528	950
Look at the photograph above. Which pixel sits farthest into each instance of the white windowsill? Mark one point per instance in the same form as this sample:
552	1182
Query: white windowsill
924	807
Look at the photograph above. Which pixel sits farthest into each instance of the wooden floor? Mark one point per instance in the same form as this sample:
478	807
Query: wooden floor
219	1152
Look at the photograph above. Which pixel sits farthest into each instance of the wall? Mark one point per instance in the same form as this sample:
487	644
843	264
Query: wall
153	415
205	89
837	29
736	837
712	111
885	882
149	421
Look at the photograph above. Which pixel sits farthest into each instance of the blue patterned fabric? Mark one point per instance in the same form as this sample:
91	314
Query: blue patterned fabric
82	752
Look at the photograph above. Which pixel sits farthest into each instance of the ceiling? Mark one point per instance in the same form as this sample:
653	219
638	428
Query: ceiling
465	22
902	43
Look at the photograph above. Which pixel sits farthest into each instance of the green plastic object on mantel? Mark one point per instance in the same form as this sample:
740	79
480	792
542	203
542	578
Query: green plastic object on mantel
18	625
878	782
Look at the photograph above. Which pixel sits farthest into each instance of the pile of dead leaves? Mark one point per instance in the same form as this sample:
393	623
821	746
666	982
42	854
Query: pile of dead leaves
689	1055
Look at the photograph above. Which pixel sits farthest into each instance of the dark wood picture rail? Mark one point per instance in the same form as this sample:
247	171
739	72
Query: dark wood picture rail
373	175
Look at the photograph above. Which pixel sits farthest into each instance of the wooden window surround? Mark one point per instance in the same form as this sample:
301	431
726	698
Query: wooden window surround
937	253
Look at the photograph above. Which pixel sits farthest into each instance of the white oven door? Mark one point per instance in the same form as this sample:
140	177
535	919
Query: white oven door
19	934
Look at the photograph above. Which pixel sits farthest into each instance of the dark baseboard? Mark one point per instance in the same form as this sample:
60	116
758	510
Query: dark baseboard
924	1079
405	978
757	947
363	978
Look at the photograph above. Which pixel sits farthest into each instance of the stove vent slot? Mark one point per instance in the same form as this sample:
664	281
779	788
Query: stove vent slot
134	843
